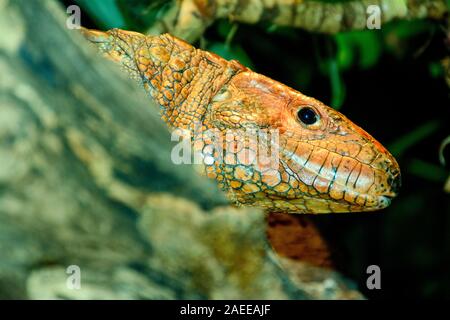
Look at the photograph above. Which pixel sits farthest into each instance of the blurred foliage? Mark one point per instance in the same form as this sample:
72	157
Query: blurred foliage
141	14
444	146
427	170
391	82
226	48
104	12
359	49
401	144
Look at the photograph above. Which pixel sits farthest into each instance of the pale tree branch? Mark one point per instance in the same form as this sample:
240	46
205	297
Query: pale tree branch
188	19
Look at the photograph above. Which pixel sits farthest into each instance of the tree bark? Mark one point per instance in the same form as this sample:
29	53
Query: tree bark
188	19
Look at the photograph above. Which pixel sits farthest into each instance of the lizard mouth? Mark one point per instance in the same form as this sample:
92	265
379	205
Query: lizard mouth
320	205
362	189
385	199
363	202
372	201
331	181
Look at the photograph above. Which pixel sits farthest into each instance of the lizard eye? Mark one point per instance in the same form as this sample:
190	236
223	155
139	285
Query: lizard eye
307	115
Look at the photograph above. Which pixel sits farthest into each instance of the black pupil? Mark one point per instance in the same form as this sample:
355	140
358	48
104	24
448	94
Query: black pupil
307	115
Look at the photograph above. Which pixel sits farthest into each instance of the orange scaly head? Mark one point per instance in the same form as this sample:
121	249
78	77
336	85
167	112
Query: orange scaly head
278	149
325	162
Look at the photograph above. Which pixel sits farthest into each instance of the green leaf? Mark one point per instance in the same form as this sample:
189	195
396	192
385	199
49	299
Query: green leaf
105	12
444	144
427	171
403	143
408	29
231	52
140	15
345	52
358	47
436	70
401	37
337	85
369	48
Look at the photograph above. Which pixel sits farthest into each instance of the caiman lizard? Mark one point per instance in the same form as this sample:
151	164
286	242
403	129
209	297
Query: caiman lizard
324	162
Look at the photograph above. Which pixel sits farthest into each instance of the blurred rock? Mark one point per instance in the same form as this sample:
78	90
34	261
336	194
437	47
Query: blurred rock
120	283
320	283
222	252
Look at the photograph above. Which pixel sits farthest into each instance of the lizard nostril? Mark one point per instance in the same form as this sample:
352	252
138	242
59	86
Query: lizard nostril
396	183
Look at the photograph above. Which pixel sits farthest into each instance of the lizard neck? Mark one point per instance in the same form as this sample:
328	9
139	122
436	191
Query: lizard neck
182	79
179	77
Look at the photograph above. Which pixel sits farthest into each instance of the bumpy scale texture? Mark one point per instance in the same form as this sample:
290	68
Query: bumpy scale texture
246	129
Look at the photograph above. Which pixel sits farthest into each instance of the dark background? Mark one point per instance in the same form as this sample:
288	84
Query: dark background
390	82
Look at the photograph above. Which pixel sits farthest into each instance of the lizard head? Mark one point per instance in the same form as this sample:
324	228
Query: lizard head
283	151
319	161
